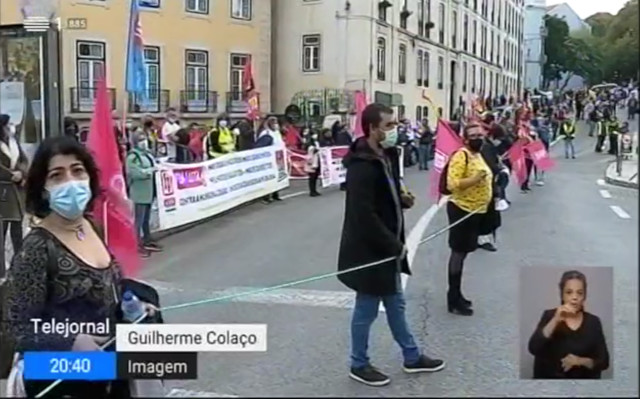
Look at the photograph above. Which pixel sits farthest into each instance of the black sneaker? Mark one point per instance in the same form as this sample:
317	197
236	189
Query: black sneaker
425	365
487	246
369	375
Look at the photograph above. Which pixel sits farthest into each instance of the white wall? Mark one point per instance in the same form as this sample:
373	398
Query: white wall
535	10
349	50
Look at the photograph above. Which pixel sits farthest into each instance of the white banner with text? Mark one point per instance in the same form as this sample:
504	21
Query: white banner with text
191	192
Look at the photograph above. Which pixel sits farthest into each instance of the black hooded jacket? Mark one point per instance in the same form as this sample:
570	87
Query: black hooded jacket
373	226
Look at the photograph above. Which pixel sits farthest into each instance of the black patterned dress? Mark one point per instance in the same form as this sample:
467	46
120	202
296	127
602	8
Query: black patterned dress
47	281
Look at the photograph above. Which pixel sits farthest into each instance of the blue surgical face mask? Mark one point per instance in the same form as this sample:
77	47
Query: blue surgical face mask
70	199
390	138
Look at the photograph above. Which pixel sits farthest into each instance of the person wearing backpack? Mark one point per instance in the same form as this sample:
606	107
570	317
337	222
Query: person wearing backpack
140	178
469	181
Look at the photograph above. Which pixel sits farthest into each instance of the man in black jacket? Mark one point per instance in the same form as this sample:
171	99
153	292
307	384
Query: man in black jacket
373	230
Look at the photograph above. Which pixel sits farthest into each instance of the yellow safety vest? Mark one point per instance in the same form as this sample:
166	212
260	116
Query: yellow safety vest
226	141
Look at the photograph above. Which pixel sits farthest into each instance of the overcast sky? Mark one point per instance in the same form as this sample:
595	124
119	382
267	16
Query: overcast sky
586	8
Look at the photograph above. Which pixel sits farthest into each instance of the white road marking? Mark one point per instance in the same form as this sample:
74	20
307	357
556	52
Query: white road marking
605	194
620	212
417	232
185	393
601	182
285	296
292	195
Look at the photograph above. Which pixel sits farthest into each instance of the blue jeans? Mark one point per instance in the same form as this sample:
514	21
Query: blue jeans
569	149
143	217
365	313
424	151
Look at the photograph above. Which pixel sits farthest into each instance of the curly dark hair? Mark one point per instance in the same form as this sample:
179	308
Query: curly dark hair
572	275
36	202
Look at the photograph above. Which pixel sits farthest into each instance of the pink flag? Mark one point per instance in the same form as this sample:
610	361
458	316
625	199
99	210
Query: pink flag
539	155
518	166
112	209
447	142
360	99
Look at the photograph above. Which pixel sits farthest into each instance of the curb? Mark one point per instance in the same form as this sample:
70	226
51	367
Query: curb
618	182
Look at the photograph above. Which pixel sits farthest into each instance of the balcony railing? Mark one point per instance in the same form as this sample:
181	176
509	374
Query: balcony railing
83	99
153	101
236	102
198	101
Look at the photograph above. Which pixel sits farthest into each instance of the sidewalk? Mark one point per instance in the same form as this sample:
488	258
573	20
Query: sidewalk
629	176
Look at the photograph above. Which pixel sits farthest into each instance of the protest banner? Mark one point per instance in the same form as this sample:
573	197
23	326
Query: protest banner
539	155
332	172
447	142
297	160
191	192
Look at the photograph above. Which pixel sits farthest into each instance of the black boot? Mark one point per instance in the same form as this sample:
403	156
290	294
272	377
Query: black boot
455	302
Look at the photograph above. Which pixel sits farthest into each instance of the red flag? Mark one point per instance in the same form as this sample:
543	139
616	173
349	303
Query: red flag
360	100
447	142
518	166
248	85
539	155
112	209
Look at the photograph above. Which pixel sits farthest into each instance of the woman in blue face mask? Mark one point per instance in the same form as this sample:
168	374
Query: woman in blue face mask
64	271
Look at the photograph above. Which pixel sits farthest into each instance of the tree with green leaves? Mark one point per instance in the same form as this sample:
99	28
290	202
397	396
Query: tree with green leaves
567	55
616	39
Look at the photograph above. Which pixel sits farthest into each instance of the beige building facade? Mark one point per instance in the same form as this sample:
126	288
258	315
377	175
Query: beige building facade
195	52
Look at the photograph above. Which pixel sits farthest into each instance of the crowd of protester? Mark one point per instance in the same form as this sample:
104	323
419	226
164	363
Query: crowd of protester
61	183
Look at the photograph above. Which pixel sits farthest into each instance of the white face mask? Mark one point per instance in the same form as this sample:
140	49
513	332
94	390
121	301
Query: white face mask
276	127
12	130
223	123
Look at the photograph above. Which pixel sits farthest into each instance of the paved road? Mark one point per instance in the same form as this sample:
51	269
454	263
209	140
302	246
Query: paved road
567	223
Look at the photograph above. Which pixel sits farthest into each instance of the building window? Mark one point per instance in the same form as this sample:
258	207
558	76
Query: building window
152	67
465	77
465	33
498	50
236	74
418	113
401	112
382	58
473	78
402	64
198	6
149	3
454	30
382	10
490	81
491	48
475	37
419	68
90	68
241	9
421	17
426	69
404	15
475	5
197	75
311	53
440	72
441	12
427	11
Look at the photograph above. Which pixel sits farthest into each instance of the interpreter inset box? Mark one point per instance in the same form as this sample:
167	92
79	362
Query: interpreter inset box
566	322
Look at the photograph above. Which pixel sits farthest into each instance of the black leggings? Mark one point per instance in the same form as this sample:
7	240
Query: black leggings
313	181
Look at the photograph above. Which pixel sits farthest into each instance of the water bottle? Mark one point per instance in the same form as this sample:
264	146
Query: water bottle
132	308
